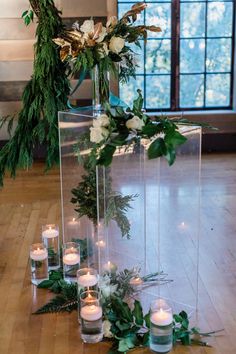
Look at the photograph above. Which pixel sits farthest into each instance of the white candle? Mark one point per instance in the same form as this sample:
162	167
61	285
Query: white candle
136	281
38	254
161	318
101	244
91	312
110	267
71	258
50	232
87	280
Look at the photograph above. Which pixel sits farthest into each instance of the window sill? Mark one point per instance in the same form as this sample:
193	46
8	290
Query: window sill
224	120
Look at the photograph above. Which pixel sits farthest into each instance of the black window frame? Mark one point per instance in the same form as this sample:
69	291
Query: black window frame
175	59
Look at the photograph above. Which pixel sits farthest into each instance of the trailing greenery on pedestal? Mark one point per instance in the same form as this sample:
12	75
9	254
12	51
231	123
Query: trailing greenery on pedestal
44	95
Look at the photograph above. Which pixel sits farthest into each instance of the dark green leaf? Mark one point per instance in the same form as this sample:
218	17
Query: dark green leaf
122	325
147	320
178	318
45	284
174	138
146	339
127	343
27	20
106	155
24	13
170	155
157	148
138	313
183	314
151	129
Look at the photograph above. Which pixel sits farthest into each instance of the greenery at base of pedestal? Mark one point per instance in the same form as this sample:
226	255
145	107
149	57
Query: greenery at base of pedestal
124	323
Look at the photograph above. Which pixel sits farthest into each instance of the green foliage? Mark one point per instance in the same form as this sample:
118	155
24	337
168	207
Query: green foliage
129	326
66	301
44	95
85	194
55	283
28	16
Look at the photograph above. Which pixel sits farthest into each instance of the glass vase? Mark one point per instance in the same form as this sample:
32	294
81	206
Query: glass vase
101	88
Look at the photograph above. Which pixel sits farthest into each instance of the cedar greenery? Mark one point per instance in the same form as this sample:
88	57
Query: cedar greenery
44	95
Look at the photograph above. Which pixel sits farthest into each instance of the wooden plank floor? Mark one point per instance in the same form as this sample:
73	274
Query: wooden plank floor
34	199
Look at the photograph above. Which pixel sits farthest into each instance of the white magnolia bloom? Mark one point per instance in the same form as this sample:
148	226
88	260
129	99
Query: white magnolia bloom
87	26
101	121
112	21
98	134
102	35
103	51
116	44
107	329
135	123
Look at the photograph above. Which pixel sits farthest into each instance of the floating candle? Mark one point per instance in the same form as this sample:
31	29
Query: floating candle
71	258
50	232
161	318
87	280
136	281
91	312
39	254
110	267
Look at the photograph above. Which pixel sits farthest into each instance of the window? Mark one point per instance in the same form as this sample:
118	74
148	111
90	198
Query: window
189	65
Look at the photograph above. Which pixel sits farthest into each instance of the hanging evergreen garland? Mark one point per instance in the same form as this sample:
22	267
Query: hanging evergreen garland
44	95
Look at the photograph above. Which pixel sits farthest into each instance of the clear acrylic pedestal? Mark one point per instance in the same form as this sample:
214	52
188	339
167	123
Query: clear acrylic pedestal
72	124
164	219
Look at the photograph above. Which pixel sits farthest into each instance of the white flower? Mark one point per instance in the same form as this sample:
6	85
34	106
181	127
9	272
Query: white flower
87	26
75	26
102	35
135	123
101	121
112	21
116	44
105	286
103	50
106	325
98	134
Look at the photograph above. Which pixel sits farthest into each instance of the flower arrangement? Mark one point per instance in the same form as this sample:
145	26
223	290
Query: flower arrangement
90	44
119	127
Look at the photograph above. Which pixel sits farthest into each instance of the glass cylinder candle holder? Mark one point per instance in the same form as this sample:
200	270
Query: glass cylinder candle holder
161	330
110	267
87	278
39	263
71	260
50	236
91	317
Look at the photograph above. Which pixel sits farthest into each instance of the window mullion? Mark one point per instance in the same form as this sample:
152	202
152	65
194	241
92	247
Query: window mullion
175	45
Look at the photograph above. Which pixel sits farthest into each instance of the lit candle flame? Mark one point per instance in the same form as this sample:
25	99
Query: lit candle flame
73	219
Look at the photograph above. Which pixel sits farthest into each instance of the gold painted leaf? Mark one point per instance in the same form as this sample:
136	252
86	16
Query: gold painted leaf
97	30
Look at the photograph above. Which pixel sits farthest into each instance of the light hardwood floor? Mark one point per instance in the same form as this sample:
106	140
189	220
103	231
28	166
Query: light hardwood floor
33	199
